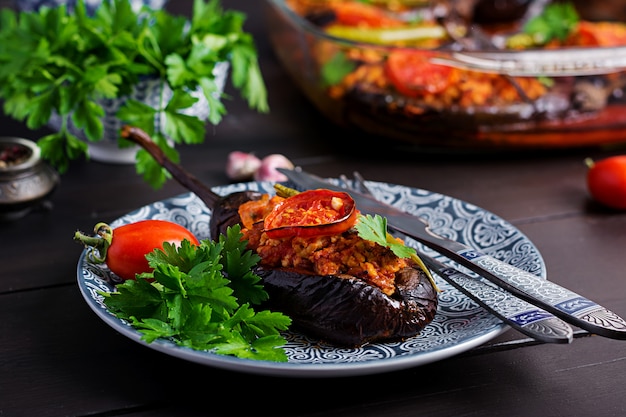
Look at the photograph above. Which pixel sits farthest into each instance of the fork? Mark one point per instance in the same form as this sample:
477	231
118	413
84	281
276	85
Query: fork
527	318
533	63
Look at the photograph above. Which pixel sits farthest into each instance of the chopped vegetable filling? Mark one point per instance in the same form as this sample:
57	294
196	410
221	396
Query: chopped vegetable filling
343	253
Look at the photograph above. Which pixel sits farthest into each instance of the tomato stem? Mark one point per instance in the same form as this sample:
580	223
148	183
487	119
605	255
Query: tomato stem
98	246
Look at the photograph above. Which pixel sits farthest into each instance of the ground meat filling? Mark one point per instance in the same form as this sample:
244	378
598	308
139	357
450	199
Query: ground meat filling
329	255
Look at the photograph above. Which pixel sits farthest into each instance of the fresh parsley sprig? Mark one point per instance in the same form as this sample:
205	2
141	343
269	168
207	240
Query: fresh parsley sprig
202	297
56	61
374	228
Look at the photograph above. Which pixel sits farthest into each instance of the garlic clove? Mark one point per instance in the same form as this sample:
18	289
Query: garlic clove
267	170
242	166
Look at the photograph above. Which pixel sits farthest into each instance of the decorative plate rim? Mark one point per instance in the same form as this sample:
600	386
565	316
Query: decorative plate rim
457	316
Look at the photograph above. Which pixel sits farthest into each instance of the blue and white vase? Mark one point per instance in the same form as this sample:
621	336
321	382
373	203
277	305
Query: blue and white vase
147	91
92	5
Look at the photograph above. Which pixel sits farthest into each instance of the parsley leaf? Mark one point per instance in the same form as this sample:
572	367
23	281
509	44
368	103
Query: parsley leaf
556	22
374	228
237	260
336	69
201	297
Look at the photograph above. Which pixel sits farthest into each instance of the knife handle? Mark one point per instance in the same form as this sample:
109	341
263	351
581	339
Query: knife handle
562	302
517	313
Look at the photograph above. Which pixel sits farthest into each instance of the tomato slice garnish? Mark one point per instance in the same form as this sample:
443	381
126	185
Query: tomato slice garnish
312	213
412	73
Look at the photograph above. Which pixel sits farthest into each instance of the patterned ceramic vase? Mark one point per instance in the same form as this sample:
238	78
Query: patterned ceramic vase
30	5
147	91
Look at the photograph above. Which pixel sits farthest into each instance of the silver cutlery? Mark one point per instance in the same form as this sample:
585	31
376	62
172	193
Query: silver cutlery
517	313
548	63
560	301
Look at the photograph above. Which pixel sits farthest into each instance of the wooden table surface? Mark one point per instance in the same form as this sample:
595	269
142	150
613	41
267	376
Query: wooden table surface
57	358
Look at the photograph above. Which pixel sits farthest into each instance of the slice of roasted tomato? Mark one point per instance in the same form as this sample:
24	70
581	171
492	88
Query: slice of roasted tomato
312	213
412	73
363	15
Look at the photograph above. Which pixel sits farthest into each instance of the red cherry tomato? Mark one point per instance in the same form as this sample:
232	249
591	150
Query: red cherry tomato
129	244
412	74
312	213
606	181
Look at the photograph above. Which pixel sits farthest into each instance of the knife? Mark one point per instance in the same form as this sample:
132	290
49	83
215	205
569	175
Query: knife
560	301
517	313
532	63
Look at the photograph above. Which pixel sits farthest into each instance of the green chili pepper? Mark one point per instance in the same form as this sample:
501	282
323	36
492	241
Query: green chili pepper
387	36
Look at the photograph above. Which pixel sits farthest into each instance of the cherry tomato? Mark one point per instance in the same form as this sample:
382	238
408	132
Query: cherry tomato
412	74
606	181
124	248
312	213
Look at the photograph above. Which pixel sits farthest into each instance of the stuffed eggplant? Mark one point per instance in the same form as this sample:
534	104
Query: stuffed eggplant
372	296
335	285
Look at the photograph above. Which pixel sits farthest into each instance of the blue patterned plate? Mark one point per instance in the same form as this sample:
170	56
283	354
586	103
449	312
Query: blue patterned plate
460	323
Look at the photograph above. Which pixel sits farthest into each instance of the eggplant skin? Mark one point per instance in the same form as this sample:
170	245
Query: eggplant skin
339	309
346	311
225	212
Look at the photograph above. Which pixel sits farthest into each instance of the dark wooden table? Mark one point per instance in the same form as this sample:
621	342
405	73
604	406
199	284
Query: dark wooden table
57	358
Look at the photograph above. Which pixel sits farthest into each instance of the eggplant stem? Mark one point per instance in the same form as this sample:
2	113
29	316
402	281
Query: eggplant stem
184	178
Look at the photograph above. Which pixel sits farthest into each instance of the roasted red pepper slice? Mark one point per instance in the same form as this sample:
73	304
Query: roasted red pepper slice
363	15
312	213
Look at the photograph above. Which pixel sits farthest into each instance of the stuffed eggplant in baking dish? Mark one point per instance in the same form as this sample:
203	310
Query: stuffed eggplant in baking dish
320	261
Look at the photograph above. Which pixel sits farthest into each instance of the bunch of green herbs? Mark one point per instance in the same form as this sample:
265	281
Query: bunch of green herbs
556	22
56	61
202	297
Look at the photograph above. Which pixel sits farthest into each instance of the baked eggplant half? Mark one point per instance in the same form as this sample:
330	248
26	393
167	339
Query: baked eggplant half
334	305
339	308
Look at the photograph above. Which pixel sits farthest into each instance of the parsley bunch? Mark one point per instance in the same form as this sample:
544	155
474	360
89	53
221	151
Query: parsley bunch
56	61
201	297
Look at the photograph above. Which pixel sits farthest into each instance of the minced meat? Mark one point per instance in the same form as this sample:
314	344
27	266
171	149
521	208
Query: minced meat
329	255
